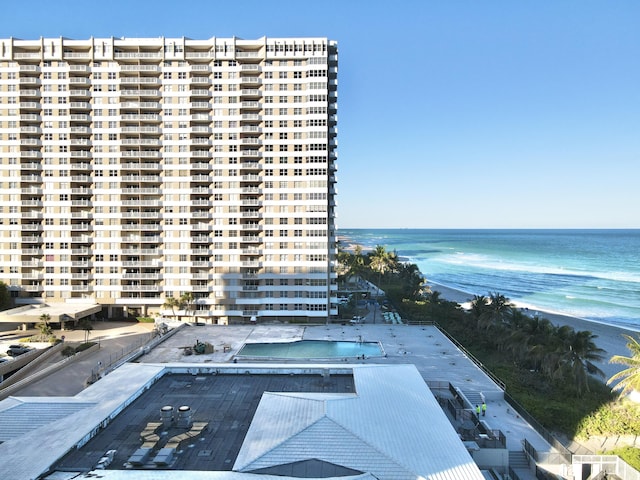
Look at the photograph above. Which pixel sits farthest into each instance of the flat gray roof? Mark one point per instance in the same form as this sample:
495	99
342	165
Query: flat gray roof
387	410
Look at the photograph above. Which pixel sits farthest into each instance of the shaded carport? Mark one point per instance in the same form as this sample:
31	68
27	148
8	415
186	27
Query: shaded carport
58	313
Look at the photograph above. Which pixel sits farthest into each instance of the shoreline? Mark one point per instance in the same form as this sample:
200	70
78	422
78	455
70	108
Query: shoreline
608	337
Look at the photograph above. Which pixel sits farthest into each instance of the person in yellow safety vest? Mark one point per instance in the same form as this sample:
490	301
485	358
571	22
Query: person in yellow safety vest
484	409
478	410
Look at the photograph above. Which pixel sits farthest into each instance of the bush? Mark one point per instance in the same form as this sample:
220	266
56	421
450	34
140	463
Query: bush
84	346
145	319
631	455
68	351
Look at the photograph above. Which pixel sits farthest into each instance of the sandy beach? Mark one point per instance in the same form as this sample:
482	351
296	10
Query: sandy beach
609	338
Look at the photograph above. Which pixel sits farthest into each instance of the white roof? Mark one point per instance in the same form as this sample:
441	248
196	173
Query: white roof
392	427
32	312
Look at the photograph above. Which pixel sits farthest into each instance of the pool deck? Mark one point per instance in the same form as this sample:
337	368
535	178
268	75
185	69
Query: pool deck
435	357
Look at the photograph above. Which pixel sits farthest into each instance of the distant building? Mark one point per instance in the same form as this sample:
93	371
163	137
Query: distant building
136	170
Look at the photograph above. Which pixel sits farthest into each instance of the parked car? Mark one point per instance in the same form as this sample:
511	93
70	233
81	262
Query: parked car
15	350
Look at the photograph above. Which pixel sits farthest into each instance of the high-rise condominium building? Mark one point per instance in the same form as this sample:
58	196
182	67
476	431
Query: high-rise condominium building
133	171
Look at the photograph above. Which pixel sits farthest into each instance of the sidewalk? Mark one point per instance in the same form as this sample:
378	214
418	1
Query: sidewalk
115	339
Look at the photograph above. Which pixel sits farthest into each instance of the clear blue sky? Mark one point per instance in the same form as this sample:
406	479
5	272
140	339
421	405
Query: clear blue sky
461	114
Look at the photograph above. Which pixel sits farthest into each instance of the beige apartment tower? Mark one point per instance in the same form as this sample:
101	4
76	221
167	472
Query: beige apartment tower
137	170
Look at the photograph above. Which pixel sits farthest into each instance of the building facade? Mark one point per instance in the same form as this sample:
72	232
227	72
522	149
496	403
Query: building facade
136	171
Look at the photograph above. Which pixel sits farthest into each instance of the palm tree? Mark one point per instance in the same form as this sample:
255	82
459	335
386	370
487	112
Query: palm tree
172	303
186	302
580	351
379	261
45	330
478	308
44	318
497	310
85	324
629	378
356	264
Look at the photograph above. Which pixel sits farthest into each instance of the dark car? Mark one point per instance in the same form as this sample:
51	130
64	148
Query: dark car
15	350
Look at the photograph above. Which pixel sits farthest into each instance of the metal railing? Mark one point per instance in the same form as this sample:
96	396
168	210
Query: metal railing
608	464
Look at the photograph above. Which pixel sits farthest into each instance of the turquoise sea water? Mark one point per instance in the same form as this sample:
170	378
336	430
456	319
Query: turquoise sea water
591	274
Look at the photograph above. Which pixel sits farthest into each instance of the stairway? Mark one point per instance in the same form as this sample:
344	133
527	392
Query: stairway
518	459
474	397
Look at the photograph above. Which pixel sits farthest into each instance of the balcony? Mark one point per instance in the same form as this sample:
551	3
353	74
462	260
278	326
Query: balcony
80	118
141	288
29	68
30	106
196	55
80	93
80	81
31	154
250	92
200	106
141	251
142	141
30	117
140	93
251	239
138	55
81	288
142	117
81	227
141	105
141	153
80	106
250	105
29	81
30	166
250	153
140	68
247	80
29	93
31	178
80	68
141	166
200	80
199	117
250	226
150	130
251	117
139	81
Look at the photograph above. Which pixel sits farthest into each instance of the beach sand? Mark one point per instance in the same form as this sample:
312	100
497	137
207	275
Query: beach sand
609	338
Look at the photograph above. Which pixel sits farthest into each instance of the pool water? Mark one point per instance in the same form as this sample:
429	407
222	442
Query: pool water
311	349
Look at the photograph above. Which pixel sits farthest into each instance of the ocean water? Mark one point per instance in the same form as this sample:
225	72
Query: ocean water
590	274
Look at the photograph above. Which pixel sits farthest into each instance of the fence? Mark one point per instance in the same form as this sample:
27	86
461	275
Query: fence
607	464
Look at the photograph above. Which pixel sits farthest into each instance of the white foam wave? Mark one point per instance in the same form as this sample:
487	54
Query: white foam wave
486	262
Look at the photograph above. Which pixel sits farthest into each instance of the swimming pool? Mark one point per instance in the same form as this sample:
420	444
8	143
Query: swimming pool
308	349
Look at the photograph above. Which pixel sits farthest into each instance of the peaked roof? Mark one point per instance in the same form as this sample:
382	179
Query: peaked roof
392	427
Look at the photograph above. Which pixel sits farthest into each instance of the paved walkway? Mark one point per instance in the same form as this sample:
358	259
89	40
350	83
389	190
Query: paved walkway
115	340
